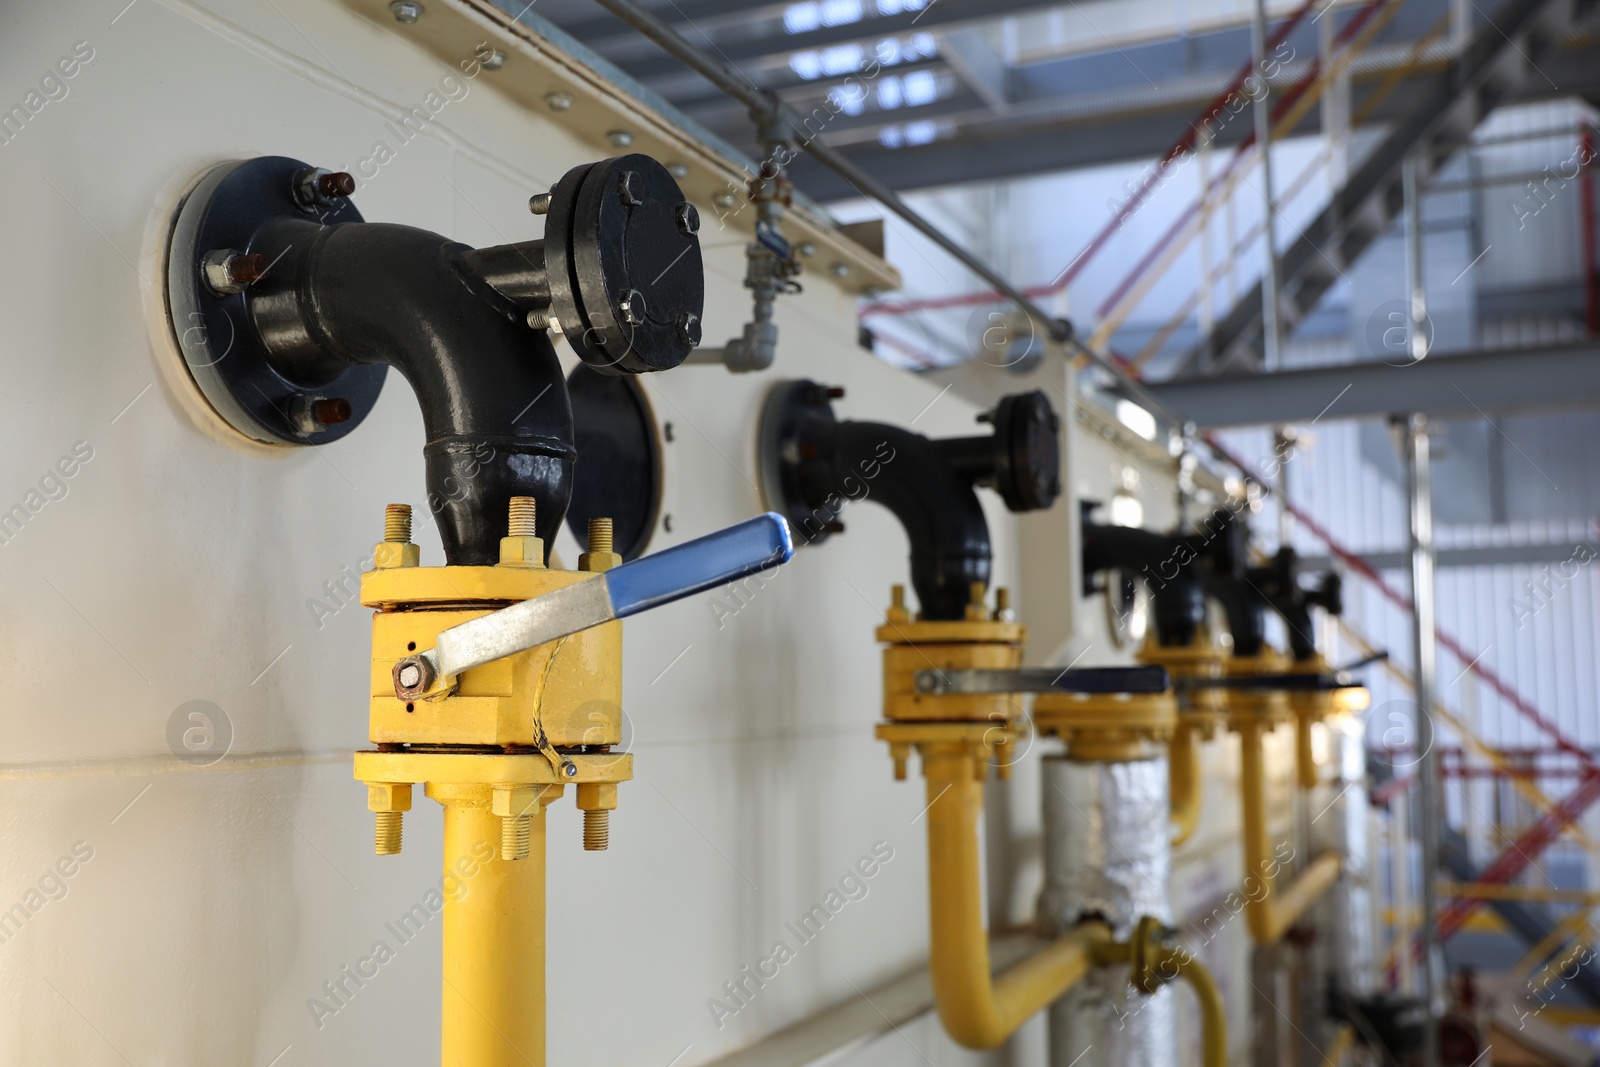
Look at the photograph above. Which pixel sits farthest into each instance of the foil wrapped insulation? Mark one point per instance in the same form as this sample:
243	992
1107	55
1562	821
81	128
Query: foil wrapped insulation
1107	855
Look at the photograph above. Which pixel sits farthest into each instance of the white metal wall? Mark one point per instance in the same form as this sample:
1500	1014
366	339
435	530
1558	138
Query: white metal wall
206	908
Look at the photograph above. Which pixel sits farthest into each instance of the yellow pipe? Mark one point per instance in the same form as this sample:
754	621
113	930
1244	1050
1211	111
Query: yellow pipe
980	1010
1270	911
1213	1018
1342	1040
1183	782
1305	758
494	953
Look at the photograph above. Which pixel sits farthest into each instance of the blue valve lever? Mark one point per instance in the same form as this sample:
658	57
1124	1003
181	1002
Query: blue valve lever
736	552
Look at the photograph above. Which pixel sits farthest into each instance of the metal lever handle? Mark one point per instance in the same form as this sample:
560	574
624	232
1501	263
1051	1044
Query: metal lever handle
736	552
1045	680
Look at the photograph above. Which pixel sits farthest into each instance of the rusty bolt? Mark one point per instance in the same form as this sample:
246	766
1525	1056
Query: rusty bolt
412	676
336	184
688	219
625	189
226	271
331	411
835	392
689	329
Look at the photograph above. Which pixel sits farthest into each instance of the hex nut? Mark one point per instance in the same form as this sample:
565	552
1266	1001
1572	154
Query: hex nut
494	60
688	219
388	796
521	551
387	554
625	189
619	138
689	329
420	680
405	12
513	801
558	101
597	796
632	308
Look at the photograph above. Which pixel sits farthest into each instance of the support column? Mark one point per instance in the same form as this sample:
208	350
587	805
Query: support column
1423	628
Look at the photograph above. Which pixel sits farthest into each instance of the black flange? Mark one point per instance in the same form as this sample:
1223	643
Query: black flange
618	474
226	356
622	256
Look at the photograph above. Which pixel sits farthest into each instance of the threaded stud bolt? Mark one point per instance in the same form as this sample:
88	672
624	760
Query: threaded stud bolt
397	523
599	535
596	830
516	833
524	516
386	840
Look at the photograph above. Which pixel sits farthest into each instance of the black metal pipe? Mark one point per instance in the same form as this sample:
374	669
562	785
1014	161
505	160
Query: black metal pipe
495	410
935	503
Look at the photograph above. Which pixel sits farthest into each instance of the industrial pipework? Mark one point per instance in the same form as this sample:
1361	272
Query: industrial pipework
295	307
812	464
287	308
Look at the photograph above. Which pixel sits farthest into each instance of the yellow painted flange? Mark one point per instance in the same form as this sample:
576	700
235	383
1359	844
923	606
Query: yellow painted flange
985	743
477	768
565	694
956	645
1267	707
1202	659
1108	727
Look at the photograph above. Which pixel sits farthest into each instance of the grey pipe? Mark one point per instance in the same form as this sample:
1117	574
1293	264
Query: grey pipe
765	103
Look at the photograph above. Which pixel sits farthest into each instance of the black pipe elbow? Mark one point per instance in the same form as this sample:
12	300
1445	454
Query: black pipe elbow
1165	562
288	308
494	404
812	465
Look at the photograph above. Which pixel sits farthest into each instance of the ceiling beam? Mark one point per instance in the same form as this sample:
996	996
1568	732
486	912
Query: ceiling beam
1442	385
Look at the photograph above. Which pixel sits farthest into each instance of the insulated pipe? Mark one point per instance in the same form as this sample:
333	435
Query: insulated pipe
1272	913
979	1010
494	936
1106	857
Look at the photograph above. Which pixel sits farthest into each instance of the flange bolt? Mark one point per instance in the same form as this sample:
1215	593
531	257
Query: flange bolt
227	272
386	841
516	833
596	830
397	523
524	517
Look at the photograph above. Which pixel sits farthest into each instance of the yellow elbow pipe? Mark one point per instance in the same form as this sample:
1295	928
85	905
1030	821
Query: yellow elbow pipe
1270	911
1213	1019
1183	782
980	1010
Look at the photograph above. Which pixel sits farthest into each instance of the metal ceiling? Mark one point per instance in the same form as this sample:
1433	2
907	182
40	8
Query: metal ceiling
924	95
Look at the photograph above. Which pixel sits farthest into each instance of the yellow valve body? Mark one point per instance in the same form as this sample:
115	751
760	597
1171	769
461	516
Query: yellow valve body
1108	727
571	689
967	644
1269	706
494	753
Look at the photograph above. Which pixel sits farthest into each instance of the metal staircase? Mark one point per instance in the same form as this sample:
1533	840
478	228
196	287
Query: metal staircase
1503	55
